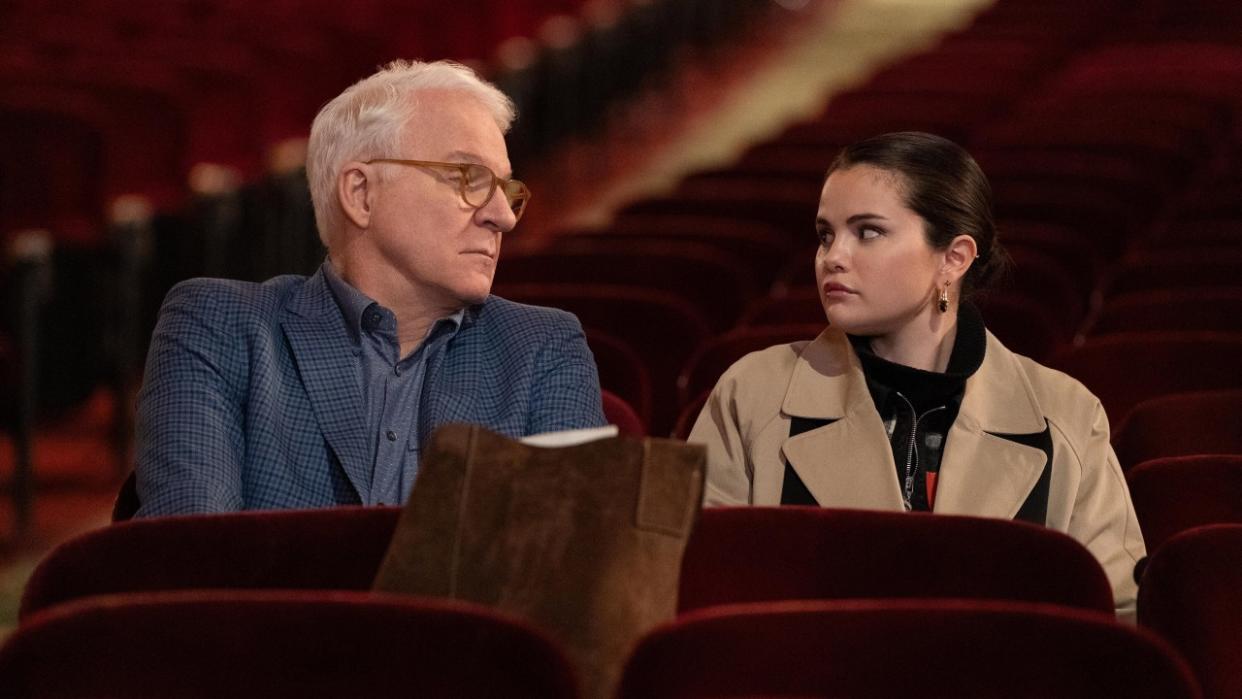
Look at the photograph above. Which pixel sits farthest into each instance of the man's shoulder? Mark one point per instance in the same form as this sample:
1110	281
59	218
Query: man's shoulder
509	315
212	296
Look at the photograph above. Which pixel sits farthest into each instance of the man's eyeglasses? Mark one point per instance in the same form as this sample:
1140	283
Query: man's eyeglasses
476	183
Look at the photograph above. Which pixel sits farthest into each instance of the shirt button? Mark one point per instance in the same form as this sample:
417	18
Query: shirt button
392	436
396	370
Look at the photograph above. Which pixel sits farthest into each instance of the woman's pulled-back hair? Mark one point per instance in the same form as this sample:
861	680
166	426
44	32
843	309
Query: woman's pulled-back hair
944	186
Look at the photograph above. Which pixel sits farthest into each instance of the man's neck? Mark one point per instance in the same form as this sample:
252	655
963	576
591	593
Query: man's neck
415	307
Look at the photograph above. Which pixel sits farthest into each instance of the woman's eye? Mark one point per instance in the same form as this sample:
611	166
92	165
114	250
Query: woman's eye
825	236
869	233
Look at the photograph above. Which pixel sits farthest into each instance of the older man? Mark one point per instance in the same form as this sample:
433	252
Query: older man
319	391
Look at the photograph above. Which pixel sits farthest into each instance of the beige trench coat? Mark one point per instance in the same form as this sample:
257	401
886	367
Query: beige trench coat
745	426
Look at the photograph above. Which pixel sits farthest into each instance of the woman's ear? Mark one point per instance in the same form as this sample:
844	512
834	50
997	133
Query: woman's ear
959	256
355	190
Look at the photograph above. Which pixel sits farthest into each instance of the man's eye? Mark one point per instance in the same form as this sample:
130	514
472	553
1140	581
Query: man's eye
478	178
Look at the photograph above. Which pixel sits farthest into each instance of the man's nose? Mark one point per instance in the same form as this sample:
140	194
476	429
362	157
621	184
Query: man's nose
497	214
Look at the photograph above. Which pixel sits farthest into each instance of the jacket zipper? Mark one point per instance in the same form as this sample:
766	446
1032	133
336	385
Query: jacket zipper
908	486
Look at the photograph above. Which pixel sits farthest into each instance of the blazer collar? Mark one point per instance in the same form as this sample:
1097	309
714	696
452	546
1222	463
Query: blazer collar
328	366
849	462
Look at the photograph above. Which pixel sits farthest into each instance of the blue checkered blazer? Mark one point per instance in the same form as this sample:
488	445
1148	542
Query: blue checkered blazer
251	398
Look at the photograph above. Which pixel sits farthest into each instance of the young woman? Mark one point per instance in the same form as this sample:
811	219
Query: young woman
906	400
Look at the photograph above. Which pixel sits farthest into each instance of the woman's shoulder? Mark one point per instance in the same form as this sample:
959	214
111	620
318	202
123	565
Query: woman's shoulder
768	363
1057	392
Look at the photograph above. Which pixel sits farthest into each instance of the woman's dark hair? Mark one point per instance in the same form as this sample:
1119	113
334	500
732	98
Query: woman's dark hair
944	186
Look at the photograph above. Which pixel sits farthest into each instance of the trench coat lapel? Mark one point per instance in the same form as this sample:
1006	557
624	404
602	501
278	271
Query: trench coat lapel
327	365
847	463
981	473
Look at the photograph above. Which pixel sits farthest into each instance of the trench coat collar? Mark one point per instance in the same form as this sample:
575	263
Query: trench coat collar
849	463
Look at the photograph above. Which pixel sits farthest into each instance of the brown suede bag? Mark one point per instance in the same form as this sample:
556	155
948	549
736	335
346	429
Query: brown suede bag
585	541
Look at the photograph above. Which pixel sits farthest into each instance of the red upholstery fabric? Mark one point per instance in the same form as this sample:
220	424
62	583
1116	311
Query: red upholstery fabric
1174	494
712	280
1128	368
338	549
1181	424
908	648
791	209
277	644
663	329
1189	595
1177	269
1212	309
622	372
760	246
619	413
757	554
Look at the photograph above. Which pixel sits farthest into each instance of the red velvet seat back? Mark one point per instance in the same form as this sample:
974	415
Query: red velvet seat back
1125	369
1208	309
277	644
1189	595
619	413
1174	494
337	549
758	554
1181	424
623	373
909	648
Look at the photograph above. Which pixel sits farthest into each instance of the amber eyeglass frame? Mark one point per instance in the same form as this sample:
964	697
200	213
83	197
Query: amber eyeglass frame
517	194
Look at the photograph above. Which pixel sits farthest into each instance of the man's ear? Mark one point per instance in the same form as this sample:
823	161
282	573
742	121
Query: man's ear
958	257
355	190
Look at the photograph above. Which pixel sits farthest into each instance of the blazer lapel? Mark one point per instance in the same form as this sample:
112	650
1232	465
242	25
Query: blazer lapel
980	473
847	463
328	367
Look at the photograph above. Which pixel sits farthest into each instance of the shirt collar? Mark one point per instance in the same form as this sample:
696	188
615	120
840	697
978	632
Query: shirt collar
354	305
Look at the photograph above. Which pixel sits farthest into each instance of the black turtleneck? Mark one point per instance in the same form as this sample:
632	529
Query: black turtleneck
922	405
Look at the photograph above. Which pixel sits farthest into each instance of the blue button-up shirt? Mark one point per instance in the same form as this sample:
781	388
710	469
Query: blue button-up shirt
391	386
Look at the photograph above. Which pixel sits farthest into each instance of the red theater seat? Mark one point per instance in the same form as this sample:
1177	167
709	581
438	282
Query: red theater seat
713	281
619	413
663	329
1181	424
623	373
330	549
1128	368
1198	268
1175	494
1189	595
1188	309
278	644
762	554
927	648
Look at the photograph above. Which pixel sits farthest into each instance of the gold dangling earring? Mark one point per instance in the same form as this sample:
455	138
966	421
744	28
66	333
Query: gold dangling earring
942	301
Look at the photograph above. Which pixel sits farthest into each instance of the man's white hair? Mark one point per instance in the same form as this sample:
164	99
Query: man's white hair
368	118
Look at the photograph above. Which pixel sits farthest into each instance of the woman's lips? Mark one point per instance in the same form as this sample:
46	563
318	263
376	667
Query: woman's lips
833	290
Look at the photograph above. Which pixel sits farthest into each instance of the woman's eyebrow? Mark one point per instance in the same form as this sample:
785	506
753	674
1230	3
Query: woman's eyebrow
864	217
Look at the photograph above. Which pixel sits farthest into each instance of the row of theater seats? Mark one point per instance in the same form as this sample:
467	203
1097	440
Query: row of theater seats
150	141
110	99
798	601
1113	147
